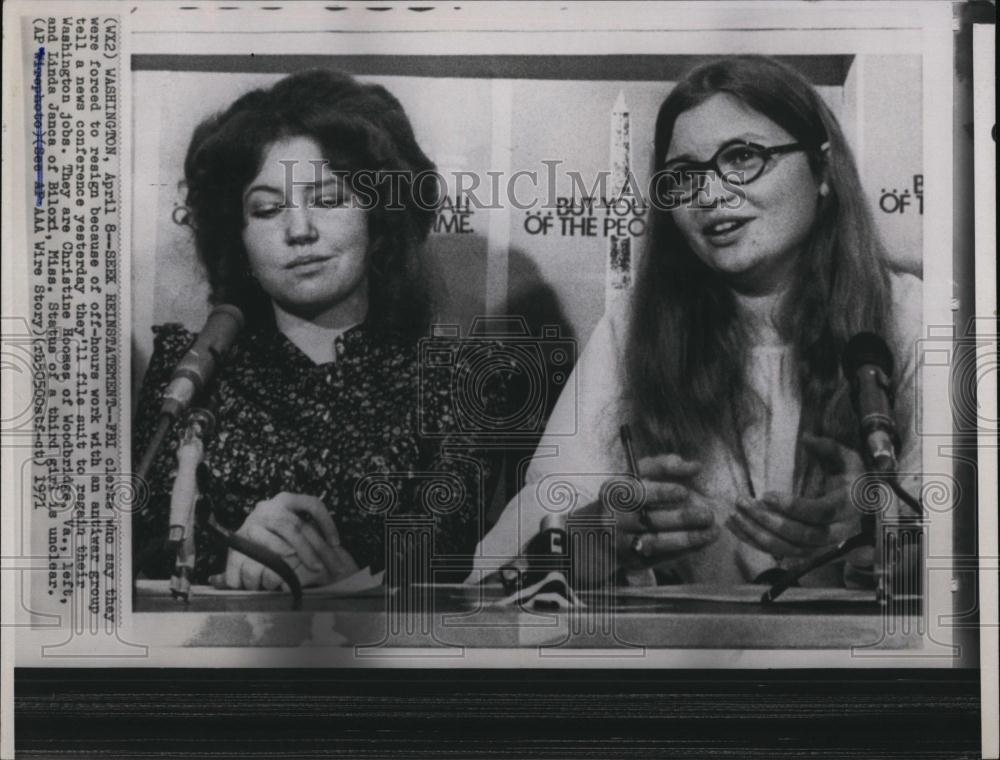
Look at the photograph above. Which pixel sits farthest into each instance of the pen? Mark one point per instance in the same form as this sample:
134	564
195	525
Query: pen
626	436
625	433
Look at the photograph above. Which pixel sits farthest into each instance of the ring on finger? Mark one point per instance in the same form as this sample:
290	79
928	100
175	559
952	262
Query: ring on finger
638	547
644	519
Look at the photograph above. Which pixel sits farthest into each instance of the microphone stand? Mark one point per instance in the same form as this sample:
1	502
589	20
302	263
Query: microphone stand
845	547
159	435
179	394
197	367
187	500
184	496
171	411
187	488
866	537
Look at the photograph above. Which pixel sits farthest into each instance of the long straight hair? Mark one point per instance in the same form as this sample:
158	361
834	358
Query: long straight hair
687	350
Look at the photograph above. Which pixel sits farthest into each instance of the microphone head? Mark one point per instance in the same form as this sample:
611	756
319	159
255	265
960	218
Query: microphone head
198	366
225	320
867	348
227	309
222	327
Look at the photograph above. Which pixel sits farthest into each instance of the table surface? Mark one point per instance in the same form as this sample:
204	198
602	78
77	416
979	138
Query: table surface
453	615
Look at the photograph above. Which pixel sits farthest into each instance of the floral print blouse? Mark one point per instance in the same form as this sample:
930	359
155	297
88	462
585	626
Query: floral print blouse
376	434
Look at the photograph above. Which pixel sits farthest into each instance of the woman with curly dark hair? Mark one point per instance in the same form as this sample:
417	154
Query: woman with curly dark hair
306	213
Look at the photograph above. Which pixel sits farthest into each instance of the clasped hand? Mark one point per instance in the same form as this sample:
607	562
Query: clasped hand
673	517
797	526
299	529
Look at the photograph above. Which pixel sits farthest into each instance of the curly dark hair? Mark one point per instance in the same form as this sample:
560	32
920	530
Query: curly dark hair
362	130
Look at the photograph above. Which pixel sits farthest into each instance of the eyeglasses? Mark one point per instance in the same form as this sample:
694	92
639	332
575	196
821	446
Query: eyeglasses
736	163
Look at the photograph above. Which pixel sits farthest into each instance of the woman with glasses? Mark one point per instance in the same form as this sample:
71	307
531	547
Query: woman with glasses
763	261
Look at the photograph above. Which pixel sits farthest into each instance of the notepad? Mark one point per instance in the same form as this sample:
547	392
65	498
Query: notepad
360	583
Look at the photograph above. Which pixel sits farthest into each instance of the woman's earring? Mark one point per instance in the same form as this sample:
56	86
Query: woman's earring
824	189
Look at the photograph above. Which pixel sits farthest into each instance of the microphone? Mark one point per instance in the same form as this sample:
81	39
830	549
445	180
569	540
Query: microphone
200	363
194	371
868	366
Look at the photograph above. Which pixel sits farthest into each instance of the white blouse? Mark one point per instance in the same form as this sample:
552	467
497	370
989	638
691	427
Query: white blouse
567	470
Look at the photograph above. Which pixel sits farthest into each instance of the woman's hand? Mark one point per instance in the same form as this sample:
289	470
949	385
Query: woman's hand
673	518
790	526
298	528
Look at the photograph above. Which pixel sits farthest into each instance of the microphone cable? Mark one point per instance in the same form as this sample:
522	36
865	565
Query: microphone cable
269	559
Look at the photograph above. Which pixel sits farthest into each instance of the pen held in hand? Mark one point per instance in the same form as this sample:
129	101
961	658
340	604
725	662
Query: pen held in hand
625	433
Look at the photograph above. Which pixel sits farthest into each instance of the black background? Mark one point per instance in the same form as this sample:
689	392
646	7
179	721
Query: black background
497	714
